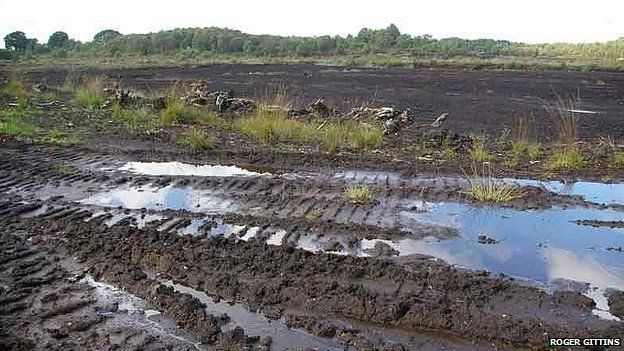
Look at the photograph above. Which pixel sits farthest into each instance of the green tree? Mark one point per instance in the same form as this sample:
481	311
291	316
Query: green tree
58	40
16	41
106	35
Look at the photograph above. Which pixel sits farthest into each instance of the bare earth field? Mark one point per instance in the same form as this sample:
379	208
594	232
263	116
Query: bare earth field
478	101
126	240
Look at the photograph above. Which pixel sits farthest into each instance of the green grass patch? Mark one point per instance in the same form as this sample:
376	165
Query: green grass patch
271	126
63	168
478	153
57	137
566	158
90	94
618	159
196	139
136	120
359	195
17	87
535	151
519	147
13	123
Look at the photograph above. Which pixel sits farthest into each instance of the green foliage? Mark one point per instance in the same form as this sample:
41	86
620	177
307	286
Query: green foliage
90	94
270	125
478	153
17	87
519	147
58	40
136	120
359	195
566	158
63	168
535	151
16	41
196	139
177	112
13	123
54	136
106	35
364	136
618	159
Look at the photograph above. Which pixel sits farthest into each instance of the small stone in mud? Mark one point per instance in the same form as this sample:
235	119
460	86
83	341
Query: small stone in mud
484	239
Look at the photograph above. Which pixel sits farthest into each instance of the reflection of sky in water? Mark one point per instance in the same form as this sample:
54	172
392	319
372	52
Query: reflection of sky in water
536	245
184	169
525	238
169	197
601	193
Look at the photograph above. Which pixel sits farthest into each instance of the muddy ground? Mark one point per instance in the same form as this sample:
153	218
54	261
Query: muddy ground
483	102
95	255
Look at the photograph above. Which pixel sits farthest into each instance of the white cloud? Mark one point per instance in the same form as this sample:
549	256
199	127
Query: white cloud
529	21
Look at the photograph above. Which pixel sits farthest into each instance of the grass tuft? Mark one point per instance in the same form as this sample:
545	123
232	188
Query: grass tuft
618	159
359	195
57	137
479	154
90	94
197	139
566	158
63	168
484	188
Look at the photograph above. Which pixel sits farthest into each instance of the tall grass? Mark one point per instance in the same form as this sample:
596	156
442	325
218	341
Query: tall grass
17	87
565	120
196	139
271	125
90	94
479	154
567	157
178	112
134	120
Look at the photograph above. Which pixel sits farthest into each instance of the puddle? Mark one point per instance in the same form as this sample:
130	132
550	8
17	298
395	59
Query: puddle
256	324
193	228
167	198
600	193
138	313
536	245
185	169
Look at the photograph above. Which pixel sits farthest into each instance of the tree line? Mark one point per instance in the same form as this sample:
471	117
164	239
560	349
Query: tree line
190	42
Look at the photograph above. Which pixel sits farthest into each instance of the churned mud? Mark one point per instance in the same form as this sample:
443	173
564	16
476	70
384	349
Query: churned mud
186	256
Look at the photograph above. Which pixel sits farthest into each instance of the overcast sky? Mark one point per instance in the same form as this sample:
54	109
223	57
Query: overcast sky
526	20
